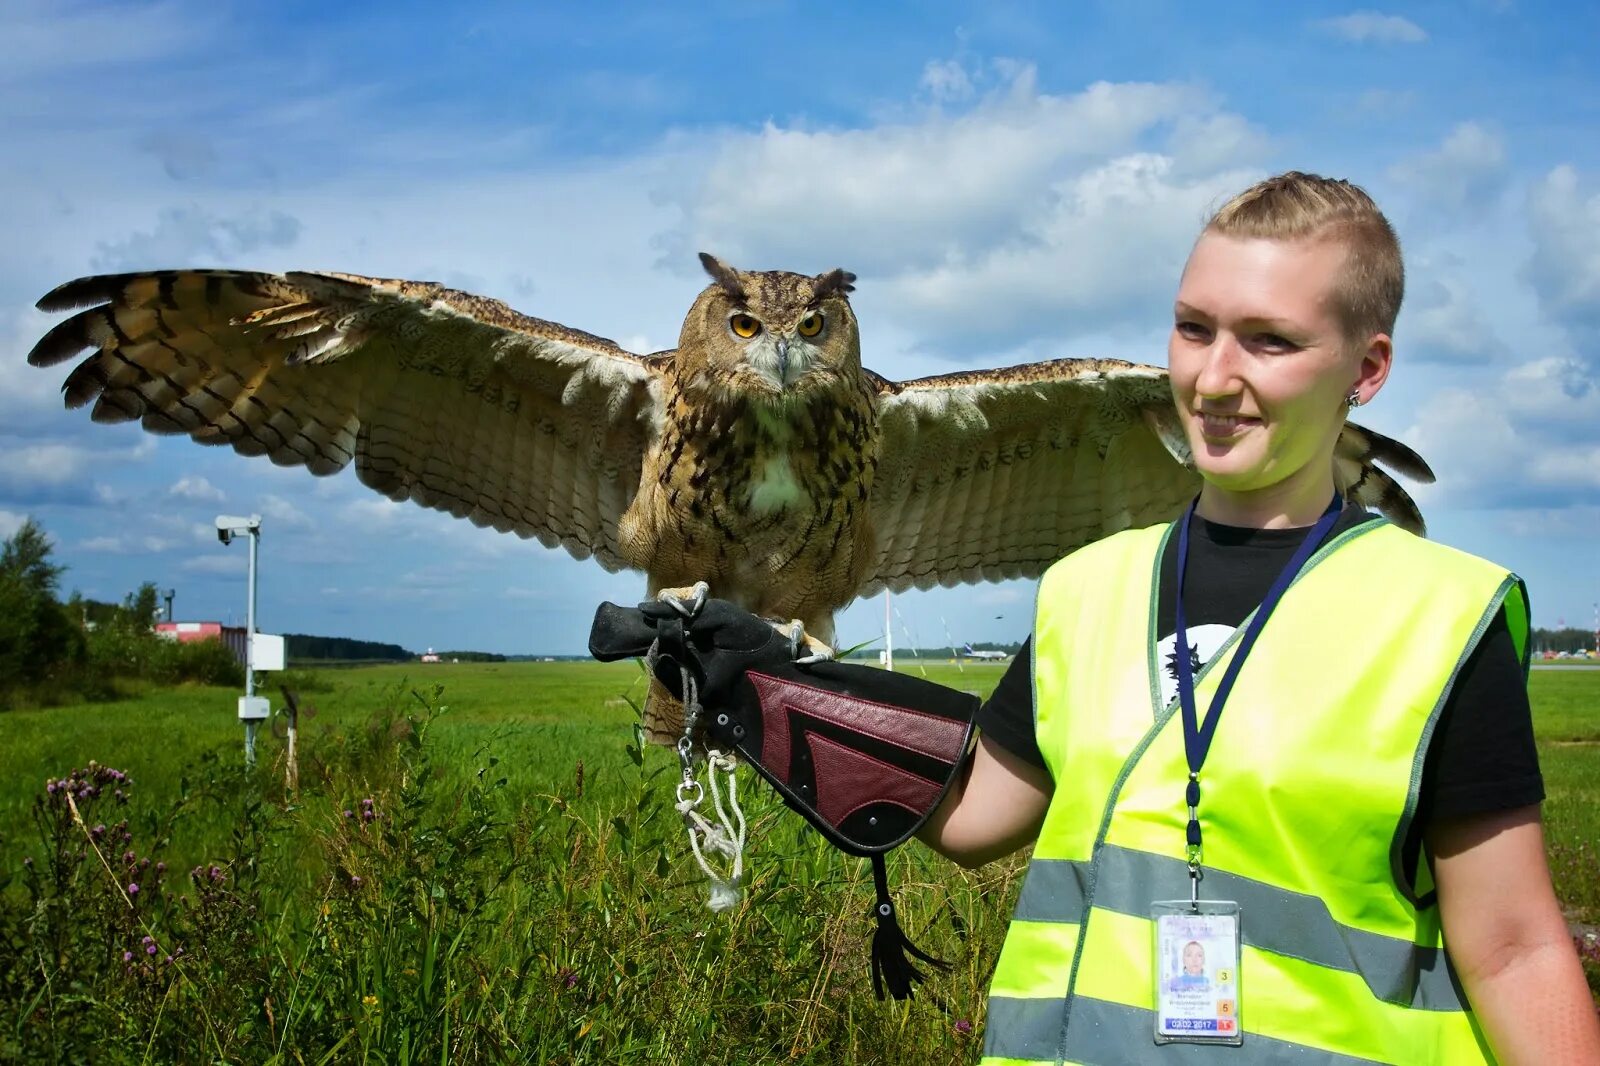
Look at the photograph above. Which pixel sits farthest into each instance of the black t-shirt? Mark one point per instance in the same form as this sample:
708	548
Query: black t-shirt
1482	755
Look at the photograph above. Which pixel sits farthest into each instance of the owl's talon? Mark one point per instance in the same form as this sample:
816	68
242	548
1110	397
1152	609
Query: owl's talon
806	649
694	595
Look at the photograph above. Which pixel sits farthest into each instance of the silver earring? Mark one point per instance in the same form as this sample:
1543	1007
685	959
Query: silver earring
1354	399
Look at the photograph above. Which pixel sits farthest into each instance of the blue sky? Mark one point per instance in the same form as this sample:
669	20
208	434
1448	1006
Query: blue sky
1010	182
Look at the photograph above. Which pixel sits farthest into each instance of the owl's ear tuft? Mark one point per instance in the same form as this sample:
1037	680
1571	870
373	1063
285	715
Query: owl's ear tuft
834	281
724	275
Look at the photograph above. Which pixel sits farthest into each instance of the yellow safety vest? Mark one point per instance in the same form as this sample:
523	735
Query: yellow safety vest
1309	791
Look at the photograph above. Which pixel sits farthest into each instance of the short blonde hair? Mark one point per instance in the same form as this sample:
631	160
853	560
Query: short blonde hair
1297	206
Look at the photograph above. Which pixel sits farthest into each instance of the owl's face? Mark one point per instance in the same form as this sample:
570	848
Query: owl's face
772	334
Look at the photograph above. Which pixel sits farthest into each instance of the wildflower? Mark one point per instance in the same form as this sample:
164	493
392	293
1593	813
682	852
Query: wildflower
149	949
98	831
133	888
161	867
348	813
369	1001
128	857
355	881
167	961
127	956
963	1027
27	860
368	814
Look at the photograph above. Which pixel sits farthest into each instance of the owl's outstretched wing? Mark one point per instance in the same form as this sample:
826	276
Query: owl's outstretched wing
449	399
996	474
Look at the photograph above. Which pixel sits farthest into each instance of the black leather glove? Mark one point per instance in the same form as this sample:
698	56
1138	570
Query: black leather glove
716	643
863	754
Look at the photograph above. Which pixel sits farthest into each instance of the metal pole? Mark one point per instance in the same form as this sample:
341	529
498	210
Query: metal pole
888	635
250	652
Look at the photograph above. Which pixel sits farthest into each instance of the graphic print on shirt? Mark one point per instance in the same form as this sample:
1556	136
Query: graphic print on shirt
1204	641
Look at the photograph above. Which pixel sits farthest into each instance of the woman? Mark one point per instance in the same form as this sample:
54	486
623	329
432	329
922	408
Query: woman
1371	793
1280	727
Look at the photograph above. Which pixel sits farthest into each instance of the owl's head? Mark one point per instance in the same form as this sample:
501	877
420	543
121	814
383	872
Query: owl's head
770	333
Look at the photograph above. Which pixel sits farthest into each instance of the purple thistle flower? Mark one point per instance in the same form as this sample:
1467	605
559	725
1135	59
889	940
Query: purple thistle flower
161	867
127	856
127	956
98	831
133	888
150	949
355	881
963	1027
147	940
348	813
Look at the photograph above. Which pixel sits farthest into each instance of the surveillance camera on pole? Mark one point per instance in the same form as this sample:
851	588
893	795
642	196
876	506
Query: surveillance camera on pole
228	525
252	708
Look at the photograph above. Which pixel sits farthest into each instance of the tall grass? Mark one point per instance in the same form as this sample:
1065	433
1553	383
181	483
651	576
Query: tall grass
499	879
444	887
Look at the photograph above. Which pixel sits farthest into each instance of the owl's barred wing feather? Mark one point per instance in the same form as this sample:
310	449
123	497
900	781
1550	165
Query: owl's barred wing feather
439	396
996	474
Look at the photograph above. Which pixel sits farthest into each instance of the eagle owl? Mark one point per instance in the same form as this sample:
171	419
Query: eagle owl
759	455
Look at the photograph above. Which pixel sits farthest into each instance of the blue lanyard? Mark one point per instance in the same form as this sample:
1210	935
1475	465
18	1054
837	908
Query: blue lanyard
1197	737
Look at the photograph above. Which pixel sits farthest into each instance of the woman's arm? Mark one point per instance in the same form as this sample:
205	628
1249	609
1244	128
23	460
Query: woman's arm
994	808
1509	941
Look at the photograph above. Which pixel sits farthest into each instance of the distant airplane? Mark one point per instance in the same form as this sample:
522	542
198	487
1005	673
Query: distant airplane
996	656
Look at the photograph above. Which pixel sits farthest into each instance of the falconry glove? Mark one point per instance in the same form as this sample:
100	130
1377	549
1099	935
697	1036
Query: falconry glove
864	755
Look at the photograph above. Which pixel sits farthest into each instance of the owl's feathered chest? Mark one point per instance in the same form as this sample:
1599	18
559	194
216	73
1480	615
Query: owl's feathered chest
746	484
764	464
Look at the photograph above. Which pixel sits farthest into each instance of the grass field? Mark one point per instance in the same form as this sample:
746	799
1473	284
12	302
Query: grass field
504	881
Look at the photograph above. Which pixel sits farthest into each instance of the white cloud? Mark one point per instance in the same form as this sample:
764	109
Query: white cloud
1465	172
1364	27
1025	215
1104	254
1564	269
1443	321
281	511
128	545
193	234
227	563
945	80
198	489
1526	439
46	464
880	198
46	37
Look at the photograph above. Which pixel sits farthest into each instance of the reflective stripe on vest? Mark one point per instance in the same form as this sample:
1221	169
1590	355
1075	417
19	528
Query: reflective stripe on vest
1309	793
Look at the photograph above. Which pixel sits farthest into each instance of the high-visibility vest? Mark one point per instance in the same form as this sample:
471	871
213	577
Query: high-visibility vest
1308	792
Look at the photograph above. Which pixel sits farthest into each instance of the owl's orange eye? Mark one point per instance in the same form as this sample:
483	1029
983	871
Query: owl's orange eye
744	326
811	325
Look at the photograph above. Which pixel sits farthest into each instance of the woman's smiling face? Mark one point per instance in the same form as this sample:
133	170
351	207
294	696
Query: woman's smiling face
1260	370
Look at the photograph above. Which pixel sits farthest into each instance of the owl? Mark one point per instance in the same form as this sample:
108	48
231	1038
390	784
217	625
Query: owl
759	455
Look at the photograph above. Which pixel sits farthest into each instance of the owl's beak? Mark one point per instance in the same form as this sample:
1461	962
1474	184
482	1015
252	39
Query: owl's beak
783	360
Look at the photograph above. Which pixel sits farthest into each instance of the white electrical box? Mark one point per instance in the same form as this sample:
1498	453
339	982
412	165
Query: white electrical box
254	708
266	652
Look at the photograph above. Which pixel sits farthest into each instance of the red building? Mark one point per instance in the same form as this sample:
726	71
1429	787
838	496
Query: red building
184	632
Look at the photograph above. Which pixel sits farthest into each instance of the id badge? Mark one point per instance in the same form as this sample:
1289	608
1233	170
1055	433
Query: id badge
1197	972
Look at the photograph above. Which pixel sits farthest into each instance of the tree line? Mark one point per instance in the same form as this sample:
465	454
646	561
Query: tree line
1569	639
55	652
